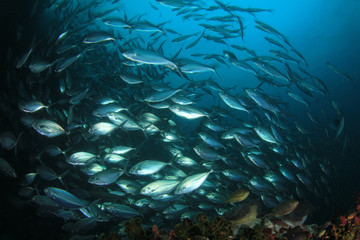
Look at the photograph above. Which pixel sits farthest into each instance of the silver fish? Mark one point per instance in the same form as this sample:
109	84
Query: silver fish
48	128
191	183
124	121
210	140
92	168
31	106
67	62
148	57
232	102
64	198
113	158
159	187
147	167
265	134
120	210
161	96
102	128
207	153
131	79
81	158
97	37
105	177
187	111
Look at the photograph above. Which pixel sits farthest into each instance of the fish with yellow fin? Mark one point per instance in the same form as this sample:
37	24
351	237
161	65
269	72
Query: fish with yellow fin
284	208
238	196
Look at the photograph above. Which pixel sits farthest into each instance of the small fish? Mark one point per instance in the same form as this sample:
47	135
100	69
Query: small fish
105	109
113	22
187	111
298	98
64	64
159	187
7	169
49	174
132	80
265	134
191	183
161	96
123	121
340	128
185	161
258	160
207	153
48	128
121	149
8	140
102	128
147	167
31	106
98	37
183	37
232	102
64	198
211	140
81	158
339	71
262	100
120	210
147	57
92	168
238	196
24	58
284	208
194	67
105	177
29	178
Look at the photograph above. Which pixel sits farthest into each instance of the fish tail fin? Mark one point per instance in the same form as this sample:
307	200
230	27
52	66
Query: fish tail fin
122	126
36	189
138	147
126	167
38	157
144	132
35	43
173	159
62	176
259	86
216	74
176	54
65	151
17	142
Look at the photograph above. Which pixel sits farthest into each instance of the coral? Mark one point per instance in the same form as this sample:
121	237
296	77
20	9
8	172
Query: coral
110	236
202	228
134	230
347	229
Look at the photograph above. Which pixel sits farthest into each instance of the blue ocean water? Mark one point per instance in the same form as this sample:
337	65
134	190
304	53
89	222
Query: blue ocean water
322	31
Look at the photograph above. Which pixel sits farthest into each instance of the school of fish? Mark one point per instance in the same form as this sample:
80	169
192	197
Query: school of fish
120	115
